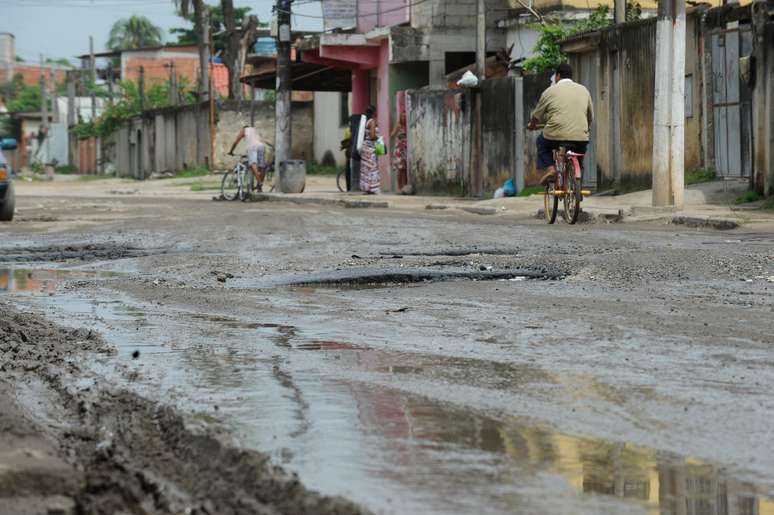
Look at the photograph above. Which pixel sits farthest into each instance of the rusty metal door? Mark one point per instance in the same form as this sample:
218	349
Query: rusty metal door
731	103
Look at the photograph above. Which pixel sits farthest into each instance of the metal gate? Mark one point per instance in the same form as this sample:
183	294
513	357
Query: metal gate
731	103
587	75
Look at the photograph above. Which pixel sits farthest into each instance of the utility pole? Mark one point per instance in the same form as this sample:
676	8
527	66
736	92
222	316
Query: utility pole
282	113
481	40
71	119
204	46
477	147
141	88
172	93
43	105
669	115
620	11
93	76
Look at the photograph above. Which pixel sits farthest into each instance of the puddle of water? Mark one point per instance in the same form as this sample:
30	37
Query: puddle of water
291	394
41	280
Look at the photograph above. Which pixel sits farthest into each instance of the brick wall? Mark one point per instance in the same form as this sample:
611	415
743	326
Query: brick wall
31	74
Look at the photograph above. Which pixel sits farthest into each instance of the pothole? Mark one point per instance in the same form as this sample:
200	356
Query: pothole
63	253
370	277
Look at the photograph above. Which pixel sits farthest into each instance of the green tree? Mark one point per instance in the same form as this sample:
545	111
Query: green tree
61	61
187	36
134	32
548	49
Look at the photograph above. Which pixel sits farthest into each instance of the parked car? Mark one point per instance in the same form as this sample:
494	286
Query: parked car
7	195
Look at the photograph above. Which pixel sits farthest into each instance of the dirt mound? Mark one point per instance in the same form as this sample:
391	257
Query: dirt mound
133	455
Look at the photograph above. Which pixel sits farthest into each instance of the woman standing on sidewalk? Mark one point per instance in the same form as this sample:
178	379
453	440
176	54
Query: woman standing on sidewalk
369	164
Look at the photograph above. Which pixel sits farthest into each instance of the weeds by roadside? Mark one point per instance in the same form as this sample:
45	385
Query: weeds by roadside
700	175
194	171
530	190
315	168
747	197
87	178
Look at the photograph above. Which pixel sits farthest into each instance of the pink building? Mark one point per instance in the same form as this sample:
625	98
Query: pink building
389	46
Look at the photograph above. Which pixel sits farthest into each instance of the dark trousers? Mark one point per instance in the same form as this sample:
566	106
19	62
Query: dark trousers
546	147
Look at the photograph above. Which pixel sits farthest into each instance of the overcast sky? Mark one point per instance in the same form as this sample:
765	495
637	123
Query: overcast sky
61	28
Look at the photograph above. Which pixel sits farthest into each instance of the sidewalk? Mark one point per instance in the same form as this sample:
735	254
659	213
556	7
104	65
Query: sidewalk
706	205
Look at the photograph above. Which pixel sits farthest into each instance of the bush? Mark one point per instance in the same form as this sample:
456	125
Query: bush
67	169
747	197
315	168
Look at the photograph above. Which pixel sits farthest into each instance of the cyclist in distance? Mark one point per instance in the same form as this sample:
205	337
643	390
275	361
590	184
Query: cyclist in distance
256	153
565	113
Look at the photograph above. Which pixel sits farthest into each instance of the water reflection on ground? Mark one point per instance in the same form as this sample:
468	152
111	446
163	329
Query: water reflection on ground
309	400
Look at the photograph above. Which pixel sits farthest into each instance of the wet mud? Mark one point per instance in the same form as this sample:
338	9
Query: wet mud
382	359
74	252
117	452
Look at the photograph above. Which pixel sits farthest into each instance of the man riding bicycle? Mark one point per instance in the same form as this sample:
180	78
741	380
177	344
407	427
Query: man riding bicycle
565	112
256	153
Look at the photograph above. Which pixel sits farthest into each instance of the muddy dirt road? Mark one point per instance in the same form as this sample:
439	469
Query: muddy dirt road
407	362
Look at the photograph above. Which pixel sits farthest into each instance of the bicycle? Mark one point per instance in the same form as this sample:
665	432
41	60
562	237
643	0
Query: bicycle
237	184
566	184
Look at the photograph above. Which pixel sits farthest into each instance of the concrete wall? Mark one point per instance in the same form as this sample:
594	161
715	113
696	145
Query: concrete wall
439	125
234	116
625	163
171	139
328	131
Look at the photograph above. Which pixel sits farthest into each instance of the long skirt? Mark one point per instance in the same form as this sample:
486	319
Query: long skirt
369	168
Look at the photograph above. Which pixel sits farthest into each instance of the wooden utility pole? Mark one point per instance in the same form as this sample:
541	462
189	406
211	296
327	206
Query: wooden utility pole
141	88
172	93
204	45
282	134
669	115
71	118
93	77
43	104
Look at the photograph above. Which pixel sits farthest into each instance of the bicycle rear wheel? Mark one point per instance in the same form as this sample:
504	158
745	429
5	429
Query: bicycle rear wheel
341	181
572	200
248	183
550	202
229	186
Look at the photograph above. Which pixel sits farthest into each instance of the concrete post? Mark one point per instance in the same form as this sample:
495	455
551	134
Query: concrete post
282	133
620	11
481	40
669	106
360	91
763	100
519	123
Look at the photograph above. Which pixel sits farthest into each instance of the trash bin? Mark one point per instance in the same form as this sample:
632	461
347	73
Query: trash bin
292	176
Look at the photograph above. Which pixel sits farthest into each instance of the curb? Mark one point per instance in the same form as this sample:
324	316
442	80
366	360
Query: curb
721	224
589	216
347	203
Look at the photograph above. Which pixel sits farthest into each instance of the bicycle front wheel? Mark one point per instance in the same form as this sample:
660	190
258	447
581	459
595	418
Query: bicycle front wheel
550	202
572	201
229	186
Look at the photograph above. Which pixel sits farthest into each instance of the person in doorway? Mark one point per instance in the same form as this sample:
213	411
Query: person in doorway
256	153
565	112
369	167
400	148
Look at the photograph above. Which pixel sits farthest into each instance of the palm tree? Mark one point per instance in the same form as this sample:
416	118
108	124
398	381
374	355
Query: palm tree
134	32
